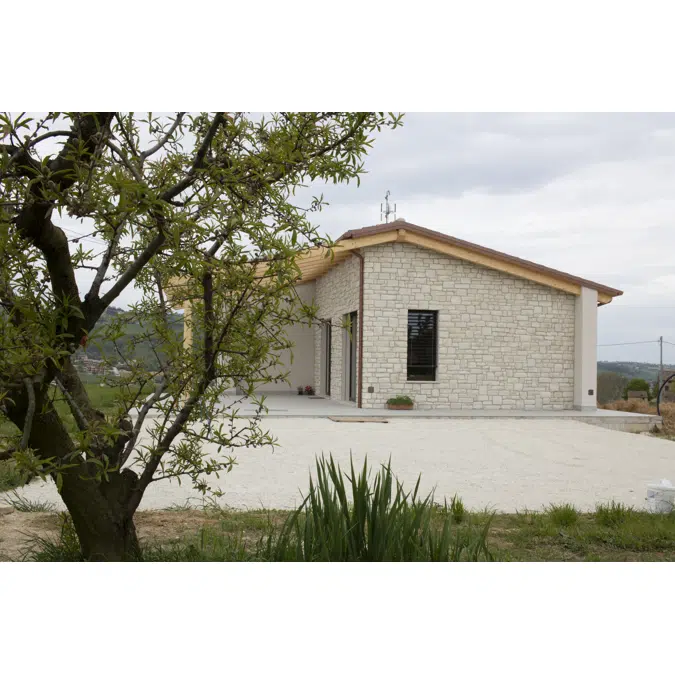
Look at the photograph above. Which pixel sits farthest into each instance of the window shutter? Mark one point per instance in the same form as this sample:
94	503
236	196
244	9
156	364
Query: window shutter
422	344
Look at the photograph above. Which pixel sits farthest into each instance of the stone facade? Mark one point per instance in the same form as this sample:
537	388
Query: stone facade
503	342
336	294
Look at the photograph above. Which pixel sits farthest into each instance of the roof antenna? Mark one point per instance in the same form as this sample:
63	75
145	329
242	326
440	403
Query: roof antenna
386	210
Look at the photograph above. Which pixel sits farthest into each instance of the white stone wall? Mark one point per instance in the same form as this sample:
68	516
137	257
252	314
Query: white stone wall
337	294
504	343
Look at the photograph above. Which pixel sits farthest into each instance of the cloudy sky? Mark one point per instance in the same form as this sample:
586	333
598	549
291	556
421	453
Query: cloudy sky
592	194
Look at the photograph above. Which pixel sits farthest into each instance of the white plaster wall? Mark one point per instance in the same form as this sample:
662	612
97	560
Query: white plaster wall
301	366
586	350
504	342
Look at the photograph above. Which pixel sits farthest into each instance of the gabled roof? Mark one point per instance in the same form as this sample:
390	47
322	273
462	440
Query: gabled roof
317	262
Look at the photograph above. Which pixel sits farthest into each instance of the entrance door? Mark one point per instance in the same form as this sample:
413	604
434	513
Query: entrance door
353	330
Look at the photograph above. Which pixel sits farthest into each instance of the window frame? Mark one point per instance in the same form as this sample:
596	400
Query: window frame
433	366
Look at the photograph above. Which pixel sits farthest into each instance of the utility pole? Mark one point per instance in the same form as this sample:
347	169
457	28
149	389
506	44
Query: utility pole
661	361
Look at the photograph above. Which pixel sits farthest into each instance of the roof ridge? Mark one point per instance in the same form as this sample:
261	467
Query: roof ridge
477	248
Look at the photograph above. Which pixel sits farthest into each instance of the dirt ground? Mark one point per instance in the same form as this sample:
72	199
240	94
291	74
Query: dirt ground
18	530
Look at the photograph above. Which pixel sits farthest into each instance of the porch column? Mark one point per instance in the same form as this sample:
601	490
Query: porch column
585	350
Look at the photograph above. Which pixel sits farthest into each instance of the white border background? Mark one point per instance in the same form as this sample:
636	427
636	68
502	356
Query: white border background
538	618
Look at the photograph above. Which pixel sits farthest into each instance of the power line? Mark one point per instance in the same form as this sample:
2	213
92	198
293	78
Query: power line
621	344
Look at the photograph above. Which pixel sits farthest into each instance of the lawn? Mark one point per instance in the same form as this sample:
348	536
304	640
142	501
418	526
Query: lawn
612	534
103	398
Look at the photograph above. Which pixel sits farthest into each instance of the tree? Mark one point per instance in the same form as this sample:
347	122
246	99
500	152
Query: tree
611	386
209	199
638	384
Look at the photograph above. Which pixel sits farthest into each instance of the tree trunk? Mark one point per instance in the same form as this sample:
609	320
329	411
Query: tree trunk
104	526
100	511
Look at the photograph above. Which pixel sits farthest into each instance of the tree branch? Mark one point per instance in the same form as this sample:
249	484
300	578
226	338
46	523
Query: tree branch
77	413
198	162
103	267
165	139
30	413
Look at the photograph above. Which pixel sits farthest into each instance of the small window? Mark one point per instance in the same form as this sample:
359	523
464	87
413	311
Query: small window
422	345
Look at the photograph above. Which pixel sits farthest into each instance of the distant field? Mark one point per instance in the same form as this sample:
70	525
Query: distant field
103	398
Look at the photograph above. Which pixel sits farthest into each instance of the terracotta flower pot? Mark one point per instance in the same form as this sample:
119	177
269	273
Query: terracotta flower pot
400	406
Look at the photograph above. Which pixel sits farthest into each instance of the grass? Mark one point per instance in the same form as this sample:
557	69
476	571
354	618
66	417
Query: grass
563	515
23	505
457	509
10	476
103	398
347	516
527	537
612	514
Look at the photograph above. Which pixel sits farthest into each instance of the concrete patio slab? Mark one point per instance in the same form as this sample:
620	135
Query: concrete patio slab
292	405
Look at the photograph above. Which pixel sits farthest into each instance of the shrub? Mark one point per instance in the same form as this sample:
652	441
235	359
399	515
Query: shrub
562	515
612	514
10	476
381	522
637	384
400	400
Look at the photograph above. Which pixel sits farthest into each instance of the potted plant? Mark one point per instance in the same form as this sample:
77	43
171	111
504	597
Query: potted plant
309	390
400	403
300	390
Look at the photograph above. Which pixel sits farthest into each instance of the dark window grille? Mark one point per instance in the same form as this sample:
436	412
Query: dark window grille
422	345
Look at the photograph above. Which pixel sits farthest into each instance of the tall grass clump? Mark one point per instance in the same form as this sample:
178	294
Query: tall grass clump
457	509
563	515
371	521
64	549
612	514
22	504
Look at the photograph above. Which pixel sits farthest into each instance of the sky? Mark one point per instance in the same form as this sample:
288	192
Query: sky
591	194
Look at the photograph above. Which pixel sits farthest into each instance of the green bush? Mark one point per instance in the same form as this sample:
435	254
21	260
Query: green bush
381	522
637	384
400	400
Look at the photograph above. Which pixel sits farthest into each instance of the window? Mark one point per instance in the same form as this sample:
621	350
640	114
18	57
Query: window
422	345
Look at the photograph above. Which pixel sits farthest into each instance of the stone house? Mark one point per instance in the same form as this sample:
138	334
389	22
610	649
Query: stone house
407	310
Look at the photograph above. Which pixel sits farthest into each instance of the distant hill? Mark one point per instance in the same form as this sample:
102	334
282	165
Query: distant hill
630	369
142	350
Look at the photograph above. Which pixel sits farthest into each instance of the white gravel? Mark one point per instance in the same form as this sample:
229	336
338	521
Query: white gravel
505	464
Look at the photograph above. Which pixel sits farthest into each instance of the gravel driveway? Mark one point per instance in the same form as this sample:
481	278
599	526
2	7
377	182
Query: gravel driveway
505	464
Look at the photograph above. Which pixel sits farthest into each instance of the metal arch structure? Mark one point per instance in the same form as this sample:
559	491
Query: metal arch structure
658	397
